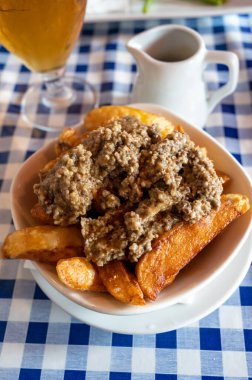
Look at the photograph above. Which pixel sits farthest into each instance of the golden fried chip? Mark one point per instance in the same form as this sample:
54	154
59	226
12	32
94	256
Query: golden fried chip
40	215
43	243
79	274
121	283
69	138
100	116
223	176
174	249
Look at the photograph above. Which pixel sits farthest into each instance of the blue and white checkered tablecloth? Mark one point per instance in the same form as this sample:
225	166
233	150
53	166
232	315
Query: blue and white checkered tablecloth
40	341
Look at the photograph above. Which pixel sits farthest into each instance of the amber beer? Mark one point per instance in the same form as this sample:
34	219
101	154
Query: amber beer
41	32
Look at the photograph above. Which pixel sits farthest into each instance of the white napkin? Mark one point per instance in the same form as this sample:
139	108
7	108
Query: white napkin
106	6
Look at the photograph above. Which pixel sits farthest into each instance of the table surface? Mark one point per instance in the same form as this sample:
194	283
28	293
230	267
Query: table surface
40	341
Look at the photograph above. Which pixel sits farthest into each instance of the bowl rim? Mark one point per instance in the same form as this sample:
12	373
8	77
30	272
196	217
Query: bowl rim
119	308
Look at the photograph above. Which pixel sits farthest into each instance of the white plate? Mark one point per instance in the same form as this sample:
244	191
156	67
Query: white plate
161	9
203	269
203	303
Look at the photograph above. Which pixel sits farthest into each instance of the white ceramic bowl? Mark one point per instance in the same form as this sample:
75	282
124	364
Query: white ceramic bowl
200	272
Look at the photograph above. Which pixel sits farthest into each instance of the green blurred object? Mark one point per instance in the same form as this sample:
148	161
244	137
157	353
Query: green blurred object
147	3
213	2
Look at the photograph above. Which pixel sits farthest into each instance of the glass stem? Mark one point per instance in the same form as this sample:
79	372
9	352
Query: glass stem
57	94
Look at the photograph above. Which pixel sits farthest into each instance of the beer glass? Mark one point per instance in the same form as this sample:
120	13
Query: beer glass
42	33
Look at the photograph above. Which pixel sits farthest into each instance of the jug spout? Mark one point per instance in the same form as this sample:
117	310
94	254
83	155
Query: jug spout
136	51
148	77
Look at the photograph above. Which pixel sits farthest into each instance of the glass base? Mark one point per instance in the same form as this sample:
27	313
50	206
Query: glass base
50	114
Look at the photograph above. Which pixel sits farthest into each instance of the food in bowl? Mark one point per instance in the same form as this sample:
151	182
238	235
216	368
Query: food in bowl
139	198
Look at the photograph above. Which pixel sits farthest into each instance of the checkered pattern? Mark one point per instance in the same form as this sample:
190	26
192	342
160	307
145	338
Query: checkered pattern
40	341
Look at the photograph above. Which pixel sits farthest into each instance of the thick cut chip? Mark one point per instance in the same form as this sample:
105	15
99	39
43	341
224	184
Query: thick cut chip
40	215
223	176
100	116
121	283
43	243
174	249
69	138
79	274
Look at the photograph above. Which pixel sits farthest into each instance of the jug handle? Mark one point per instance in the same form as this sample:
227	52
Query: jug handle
230	60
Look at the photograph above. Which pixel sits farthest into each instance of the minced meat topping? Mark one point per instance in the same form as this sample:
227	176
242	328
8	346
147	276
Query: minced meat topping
126	185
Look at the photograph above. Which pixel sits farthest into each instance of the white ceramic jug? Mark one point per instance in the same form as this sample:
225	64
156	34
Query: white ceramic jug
171	60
